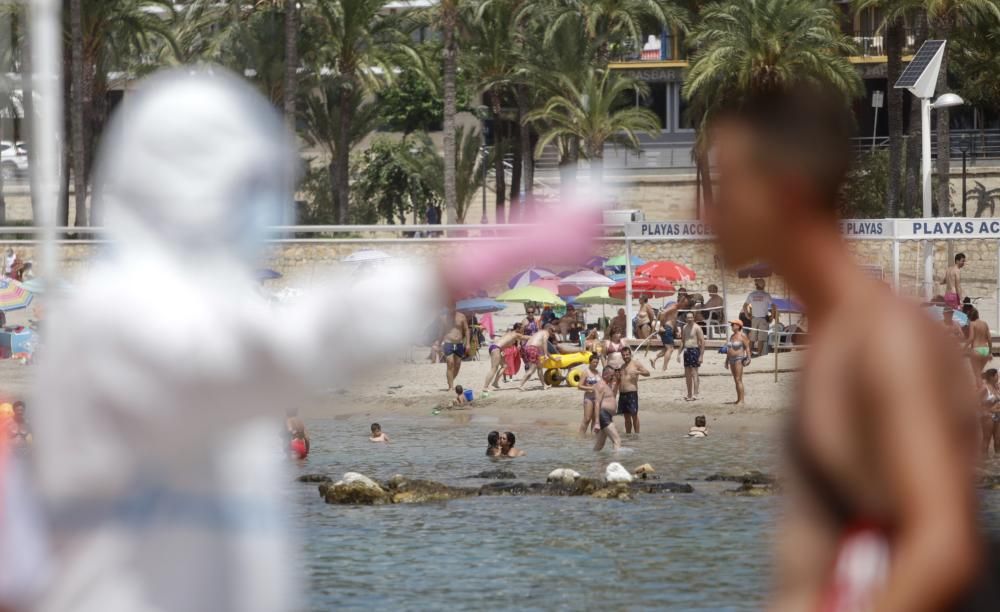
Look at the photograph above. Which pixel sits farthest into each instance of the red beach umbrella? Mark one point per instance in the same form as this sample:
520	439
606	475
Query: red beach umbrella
668	270
642	286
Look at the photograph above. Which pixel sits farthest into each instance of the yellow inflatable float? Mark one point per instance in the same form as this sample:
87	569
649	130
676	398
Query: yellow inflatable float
559	368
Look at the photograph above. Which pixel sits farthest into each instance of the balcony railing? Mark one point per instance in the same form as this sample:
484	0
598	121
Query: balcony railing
871	42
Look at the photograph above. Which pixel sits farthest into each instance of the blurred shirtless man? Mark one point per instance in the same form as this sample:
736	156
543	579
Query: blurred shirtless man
455	344
953	282
604	398
628	396
667	328
879	415
536	349
496	354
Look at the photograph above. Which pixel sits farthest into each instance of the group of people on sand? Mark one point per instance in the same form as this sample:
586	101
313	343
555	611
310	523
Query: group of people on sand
609	391
501	445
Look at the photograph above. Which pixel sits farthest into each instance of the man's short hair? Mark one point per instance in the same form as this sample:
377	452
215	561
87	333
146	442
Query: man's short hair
804	129
713	288
959	257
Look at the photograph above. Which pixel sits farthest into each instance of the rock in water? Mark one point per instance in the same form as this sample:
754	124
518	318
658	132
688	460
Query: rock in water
644	471
616	473
753	477
495	475
314	478
353	478
564	475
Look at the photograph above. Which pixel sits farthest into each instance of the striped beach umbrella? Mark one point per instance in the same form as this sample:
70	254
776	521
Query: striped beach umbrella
526	277
13	295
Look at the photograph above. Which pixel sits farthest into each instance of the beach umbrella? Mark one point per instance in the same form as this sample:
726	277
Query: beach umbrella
667	270
596	296
529	294
643	286
266	274
937	313
587	279
38	286
13	295
567	290
549	283
595	262
479	306
366	256
616	278
759	270
794	307
526	277
619	262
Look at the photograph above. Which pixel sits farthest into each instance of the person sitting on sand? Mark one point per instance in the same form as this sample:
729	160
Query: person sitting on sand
507	449
605	392
592	343
460	399
377	434
493	444
700	429
20	432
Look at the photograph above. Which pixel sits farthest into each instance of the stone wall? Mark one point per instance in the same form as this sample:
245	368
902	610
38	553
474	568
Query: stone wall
301	262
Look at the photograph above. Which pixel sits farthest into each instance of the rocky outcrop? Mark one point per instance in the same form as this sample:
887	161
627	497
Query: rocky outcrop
495	475
749	489
563	475
314	478
752	477
406	491
615	472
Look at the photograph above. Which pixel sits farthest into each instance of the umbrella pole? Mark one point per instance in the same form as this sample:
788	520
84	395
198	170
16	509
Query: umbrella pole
725	295
628	289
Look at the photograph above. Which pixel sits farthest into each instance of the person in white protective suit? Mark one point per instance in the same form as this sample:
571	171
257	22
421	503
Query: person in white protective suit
164	377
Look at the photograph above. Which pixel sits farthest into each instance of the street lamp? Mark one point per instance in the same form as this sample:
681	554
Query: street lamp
944	101
963	146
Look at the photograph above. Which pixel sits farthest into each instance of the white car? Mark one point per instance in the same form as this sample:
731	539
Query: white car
13	159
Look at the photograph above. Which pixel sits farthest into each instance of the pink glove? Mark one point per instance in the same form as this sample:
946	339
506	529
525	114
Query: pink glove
564	238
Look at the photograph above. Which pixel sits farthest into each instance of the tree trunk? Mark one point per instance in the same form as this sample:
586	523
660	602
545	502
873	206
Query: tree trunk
567	169
515	178
596	171
331	170
527	152
894	34
291	62
343	159
77	115
943	166
3	199
499	149
912	187
27	87
449	21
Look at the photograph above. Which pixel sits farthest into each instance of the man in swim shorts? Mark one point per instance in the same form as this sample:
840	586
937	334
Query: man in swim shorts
693	343
604	397
667	324
885	405
535	350
628	397
953	282
454	343
497	364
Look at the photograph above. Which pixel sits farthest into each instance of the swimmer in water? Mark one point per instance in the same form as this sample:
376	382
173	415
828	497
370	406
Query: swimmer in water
607	406
377	434
493	444
295	434
507	446
700	429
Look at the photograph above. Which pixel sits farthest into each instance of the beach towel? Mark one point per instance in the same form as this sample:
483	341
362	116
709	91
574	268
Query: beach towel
511	357
486	322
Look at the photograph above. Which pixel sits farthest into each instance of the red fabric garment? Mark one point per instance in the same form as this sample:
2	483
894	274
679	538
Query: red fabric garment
486	322
511	357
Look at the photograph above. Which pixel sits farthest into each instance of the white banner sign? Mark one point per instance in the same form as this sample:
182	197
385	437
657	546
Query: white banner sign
948	228
699	230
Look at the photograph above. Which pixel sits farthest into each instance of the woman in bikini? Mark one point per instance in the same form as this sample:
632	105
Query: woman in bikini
592	344
990	413
591	376
738	357
980	344
612	351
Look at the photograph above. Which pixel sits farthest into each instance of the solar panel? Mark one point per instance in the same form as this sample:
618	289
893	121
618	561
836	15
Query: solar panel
918	64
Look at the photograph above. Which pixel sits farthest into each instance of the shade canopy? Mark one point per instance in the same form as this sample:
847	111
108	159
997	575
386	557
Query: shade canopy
479	305
530	294
526	277
587	279
597	296
667	270
643	286
759	270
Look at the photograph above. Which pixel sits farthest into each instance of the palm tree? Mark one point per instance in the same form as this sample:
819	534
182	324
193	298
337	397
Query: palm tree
78	104
291	61
944	16
449	27
607	22
749	46
894	14
594	112
468	166
364	45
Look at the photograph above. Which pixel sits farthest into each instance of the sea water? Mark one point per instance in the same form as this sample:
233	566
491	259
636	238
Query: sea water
706	550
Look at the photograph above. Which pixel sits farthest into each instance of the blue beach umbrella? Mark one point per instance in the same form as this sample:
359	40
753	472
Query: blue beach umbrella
937	313
479	305
619	262
787	305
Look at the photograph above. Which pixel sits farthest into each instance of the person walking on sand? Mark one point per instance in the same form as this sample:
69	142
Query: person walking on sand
738	357
454	344
760	303
693	343
875	421
535	350
645	320
667	327
496	349
589	378
628	395
604	397
980	344
953	282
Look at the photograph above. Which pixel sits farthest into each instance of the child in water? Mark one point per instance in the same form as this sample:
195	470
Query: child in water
700	429
460	399
377	434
